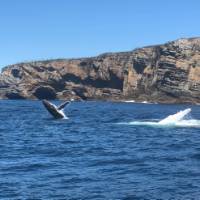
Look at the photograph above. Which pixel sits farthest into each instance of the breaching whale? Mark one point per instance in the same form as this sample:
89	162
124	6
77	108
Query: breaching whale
55	111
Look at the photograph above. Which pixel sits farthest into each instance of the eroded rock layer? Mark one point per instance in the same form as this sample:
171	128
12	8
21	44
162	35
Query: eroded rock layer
168	73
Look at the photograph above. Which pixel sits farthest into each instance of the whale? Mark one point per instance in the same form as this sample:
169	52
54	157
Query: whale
55	111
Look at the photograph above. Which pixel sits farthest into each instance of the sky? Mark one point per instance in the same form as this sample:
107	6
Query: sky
49	29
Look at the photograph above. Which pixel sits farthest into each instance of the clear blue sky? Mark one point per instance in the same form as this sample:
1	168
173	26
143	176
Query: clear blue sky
45	29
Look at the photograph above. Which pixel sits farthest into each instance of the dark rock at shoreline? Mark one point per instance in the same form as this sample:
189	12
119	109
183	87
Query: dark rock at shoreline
168	73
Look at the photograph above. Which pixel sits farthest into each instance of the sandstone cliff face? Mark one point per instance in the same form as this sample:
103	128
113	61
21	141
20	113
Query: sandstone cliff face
163	73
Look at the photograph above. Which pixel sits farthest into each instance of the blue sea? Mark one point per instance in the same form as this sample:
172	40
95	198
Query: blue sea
103	150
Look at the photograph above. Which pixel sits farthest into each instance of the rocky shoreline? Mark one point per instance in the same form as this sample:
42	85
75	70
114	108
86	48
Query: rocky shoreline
168	73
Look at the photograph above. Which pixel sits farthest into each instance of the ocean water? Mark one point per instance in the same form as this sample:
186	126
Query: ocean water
103	151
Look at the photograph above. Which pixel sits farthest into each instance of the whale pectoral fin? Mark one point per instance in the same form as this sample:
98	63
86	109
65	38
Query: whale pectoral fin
63	105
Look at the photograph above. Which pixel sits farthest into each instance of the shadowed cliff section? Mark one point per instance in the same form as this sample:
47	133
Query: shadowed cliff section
168	73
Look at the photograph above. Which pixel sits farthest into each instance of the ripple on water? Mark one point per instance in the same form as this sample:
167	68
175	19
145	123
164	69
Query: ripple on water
96	154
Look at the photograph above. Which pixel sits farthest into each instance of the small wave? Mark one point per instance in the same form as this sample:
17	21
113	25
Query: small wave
130	101
145	102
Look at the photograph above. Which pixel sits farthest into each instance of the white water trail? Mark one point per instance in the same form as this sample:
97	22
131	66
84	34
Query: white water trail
175	120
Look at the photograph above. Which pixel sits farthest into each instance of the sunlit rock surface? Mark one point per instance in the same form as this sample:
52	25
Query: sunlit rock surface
168	73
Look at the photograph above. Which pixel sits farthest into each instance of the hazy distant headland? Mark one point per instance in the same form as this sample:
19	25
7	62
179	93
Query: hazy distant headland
168	73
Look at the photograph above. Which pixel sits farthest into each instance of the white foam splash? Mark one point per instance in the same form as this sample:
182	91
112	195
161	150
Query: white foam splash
176	120
171	119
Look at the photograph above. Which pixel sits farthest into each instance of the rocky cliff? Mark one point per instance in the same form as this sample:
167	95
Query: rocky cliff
168	73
